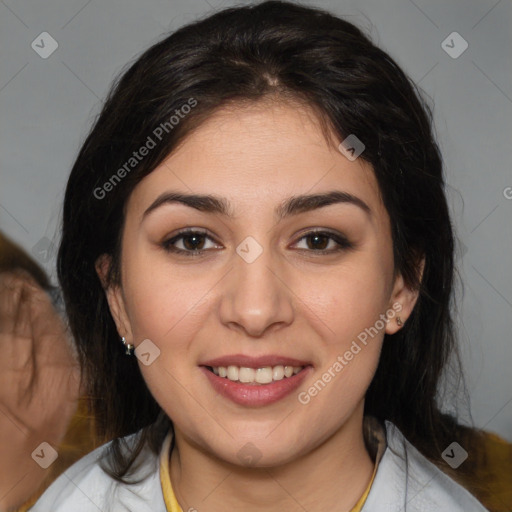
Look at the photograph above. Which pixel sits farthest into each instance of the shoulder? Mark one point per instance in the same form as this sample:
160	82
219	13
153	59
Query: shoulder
86	487
407	482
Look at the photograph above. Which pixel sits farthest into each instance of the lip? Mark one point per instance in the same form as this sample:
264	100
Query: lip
251	395
254	362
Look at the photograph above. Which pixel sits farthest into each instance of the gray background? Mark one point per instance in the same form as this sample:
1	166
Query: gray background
48	105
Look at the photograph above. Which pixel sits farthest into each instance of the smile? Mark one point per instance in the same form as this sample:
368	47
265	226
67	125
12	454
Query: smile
255	376
255	387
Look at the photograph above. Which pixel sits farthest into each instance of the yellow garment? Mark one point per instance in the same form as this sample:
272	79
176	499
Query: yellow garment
362	499
493	473
172	505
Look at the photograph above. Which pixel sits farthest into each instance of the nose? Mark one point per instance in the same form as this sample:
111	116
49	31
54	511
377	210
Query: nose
256	297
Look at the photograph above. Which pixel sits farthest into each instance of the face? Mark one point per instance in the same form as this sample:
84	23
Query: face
255	287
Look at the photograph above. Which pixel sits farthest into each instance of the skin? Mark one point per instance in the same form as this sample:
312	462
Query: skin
39	384
289	301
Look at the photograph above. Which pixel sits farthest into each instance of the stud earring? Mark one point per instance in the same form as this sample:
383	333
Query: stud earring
129	347
399	321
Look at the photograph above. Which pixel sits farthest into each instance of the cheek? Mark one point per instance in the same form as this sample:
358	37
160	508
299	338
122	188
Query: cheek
350	302
161	301
348	299
339	388
164	308
348	364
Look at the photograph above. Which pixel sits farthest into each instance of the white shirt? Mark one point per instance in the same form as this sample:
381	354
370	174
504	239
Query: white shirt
405	482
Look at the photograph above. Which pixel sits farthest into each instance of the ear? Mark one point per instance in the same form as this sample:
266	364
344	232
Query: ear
115	298
402	300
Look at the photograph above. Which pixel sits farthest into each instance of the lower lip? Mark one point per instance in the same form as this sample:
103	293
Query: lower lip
258	394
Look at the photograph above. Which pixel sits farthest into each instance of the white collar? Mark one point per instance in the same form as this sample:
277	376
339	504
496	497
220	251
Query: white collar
405	482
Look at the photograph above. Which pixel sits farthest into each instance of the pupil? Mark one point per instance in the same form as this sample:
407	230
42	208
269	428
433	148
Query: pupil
193	246
315	244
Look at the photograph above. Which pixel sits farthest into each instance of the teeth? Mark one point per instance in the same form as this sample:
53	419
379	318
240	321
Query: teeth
264	375
233	372
278	372
246	374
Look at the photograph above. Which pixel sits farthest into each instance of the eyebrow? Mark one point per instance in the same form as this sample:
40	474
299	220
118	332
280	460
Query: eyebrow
292	206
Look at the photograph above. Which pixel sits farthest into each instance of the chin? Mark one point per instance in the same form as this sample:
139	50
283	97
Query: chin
259	451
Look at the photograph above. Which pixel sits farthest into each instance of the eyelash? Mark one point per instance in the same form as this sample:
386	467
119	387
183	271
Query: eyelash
343	243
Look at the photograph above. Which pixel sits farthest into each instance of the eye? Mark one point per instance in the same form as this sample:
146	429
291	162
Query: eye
325	242
192	242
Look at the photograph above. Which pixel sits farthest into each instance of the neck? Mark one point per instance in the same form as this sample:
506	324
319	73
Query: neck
333	476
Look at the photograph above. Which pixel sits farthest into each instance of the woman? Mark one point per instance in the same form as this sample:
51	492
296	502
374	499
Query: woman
257	265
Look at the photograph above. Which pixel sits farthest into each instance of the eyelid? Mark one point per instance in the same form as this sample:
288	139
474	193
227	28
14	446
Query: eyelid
167	243
340	239
343	243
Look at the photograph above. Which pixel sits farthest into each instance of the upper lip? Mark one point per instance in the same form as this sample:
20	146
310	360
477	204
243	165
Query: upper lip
254	362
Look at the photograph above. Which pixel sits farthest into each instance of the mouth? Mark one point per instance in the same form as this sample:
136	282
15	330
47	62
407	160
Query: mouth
255	381
255	376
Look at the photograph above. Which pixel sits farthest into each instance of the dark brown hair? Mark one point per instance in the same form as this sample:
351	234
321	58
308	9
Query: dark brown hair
246	54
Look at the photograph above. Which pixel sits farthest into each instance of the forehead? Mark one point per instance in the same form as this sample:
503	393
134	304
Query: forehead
256	155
